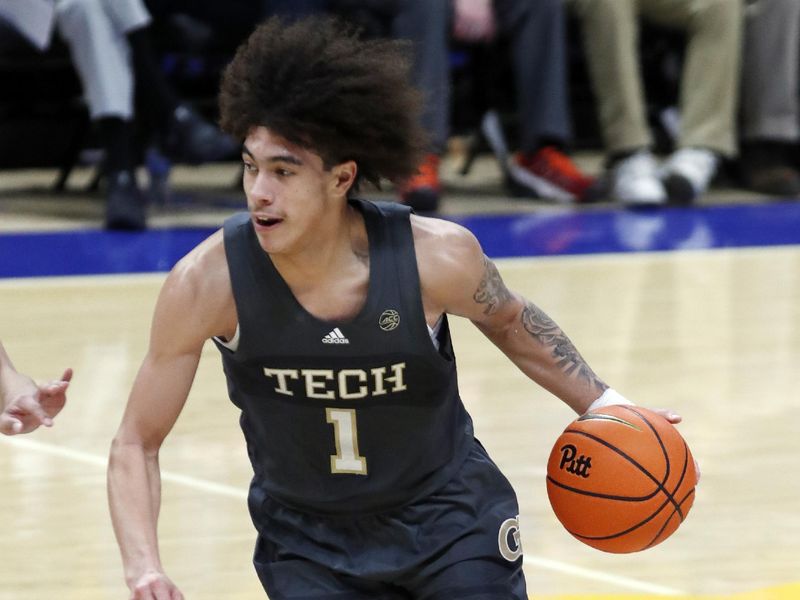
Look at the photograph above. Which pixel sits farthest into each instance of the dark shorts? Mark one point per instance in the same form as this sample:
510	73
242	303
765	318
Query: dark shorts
460	542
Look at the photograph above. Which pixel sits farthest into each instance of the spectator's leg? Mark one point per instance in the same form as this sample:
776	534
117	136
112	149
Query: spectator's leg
127	15
184	135
771	97
153	94
536	31
611	47
235	18
770	74
131	19
537	34
425	23
610	35
709	83
101	58
709	89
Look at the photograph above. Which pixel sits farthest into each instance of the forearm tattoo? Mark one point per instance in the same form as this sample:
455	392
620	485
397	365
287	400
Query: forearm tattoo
491	290
544	330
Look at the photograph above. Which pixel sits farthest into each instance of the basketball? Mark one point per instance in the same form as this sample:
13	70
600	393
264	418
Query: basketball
621	479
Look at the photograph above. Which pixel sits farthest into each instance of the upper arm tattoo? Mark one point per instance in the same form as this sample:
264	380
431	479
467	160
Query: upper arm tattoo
491	290
543	329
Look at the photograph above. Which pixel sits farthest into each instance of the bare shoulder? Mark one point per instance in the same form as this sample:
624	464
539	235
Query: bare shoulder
450	262
438	242
204	265
198	292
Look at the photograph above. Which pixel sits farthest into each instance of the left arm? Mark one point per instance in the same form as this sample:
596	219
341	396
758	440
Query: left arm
24	405
533	341
457	278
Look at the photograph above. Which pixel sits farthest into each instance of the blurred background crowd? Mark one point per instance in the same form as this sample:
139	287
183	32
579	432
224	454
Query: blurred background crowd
675	94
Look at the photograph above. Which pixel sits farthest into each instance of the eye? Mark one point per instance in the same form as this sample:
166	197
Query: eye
249	167
283	172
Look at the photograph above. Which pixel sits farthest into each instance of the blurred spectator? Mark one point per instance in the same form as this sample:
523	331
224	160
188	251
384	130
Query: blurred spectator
111	49
708	93
426	24
226	24
535	30
771	97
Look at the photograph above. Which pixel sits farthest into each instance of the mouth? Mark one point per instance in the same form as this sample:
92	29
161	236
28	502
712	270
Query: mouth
266	222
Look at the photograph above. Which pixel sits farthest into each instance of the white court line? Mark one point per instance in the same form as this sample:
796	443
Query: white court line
624	582
101	461
240	494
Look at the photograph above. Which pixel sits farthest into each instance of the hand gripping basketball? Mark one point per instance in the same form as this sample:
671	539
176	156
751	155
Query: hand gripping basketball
621	478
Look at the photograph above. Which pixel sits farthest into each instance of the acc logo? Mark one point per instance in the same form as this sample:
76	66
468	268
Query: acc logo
508	539
578	466
389	320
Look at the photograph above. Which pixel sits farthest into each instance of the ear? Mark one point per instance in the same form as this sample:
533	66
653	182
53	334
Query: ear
344	175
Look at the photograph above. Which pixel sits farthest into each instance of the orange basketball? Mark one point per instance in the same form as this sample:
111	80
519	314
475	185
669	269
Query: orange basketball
621	479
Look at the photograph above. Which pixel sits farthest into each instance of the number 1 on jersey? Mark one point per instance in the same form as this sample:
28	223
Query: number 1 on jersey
346	459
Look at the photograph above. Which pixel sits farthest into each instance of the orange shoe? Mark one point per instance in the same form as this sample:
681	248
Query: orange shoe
422	191
548	173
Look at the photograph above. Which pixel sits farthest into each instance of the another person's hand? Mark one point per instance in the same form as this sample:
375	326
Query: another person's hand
28	405
473	20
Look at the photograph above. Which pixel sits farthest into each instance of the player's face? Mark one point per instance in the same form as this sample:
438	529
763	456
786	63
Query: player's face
289	192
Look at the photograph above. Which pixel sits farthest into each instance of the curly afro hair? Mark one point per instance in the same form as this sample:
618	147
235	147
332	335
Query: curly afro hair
317	84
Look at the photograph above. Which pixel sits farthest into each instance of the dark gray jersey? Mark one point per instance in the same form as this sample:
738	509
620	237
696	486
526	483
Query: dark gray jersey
343	416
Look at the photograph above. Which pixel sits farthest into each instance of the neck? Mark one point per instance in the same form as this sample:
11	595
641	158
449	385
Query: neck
339	239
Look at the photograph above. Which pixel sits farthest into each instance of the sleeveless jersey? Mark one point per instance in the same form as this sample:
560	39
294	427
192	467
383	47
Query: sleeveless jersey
350	416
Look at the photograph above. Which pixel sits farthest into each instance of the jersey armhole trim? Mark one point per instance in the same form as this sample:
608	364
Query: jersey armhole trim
233	343
434	331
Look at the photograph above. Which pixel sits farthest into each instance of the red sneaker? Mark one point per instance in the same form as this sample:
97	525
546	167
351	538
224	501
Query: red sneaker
548	173
422	191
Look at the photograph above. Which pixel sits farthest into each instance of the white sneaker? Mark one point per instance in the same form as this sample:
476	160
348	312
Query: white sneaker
688	173
635	181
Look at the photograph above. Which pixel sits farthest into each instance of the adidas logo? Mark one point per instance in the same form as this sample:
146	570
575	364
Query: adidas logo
335	337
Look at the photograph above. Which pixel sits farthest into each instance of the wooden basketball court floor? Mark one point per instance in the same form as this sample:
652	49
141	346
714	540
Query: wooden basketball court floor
713	333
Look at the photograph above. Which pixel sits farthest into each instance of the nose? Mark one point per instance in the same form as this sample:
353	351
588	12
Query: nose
259	191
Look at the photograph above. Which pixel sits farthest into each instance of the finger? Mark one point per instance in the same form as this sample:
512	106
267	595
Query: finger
54	387
160	590
57	386
10	425
669	414
164	593
142	593
53	390
31	406
697	470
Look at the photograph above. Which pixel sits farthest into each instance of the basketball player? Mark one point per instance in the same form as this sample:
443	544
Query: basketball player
26	405
331	317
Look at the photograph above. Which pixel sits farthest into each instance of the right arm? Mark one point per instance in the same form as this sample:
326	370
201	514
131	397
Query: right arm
180	326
